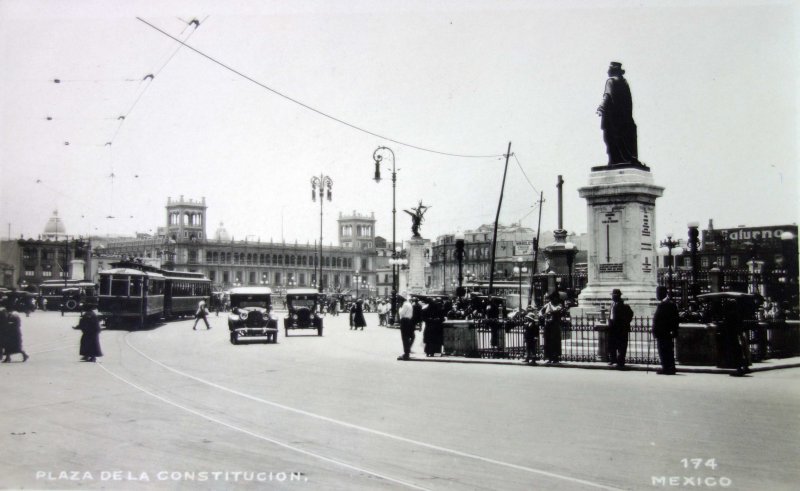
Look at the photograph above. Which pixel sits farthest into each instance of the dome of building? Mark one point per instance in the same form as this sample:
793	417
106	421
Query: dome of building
54	227
221	234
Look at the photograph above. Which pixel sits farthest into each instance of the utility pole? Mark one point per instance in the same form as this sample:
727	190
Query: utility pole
536	249
496	218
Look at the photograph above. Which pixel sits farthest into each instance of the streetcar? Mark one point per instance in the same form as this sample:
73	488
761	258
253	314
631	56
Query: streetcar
138	294
67	295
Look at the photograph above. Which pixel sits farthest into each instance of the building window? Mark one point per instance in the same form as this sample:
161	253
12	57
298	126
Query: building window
29	273
704	262
226	277
212	275
734	261
277	278
46	274
252	277
302	278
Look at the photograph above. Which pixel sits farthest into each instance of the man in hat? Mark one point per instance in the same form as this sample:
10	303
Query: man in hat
616	118
665	330
619	325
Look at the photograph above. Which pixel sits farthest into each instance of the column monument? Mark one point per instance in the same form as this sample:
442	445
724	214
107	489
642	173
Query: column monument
621	198
416	251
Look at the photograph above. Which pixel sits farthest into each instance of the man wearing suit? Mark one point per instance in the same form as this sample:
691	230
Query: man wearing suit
665	330
618	328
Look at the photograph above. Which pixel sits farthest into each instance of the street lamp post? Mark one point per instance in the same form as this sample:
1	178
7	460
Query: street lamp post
322	182
572	250
669	245
377	157
694	243
460	259
519	269
357	279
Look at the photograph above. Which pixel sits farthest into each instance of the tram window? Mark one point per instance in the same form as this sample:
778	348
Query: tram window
119	285
136	286
105	285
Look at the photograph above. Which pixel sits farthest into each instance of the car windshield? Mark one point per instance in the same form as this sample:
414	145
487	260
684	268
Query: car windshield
249	301
301	302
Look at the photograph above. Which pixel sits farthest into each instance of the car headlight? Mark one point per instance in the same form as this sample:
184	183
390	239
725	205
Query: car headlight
294	316
243	315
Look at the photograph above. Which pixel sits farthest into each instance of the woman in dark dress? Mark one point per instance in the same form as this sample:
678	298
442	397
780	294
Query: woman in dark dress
90	339
11	336
358	315
433	336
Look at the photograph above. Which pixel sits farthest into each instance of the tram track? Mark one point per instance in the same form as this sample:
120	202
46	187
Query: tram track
423	447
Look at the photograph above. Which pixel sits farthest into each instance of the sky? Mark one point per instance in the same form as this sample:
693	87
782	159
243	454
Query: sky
266	95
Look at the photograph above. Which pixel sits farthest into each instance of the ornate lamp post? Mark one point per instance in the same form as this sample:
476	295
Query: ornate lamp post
694	243
519	269
571	251
667	246
377	157
322	182
460	259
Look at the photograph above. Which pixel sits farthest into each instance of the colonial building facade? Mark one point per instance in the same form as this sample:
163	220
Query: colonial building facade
184	245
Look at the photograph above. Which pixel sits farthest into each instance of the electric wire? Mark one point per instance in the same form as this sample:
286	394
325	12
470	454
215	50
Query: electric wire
310	108
524	174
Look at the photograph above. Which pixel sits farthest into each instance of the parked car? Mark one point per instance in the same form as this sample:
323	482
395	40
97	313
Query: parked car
251	317
304	310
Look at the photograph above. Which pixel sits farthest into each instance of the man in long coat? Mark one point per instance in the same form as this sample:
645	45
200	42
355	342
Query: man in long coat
665	330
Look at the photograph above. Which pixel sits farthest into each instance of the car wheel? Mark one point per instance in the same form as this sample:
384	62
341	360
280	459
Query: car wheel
286	332
319	331
234	338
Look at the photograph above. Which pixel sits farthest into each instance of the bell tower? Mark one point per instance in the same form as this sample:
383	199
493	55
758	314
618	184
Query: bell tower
186	220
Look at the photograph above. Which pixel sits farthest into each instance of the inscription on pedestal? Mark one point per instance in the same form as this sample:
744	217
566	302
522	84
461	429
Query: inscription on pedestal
610	268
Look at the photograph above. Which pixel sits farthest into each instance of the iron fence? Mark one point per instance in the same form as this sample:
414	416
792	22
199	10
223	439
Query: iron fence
585	339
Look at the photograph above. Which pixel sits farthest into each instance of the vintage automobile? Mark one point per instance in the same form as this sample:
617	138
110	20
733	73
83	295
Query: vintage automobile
251	317
304	307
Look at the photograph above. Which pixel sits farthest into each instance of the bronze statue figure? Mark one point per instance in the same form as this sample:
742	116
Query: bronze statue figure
416	218
616	113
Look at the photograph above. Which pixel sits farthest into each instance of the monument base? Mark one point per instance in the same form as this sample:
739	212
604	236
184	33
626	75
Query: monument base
594	298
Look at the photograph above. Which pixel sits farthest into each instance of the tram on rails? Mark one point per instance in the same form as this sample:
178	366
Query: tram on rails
135	293
67	295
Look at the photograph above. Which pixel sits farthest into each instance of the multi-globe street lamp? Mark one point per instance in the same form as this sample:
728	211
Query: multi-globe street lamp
669	246
694	244
323	183
377	157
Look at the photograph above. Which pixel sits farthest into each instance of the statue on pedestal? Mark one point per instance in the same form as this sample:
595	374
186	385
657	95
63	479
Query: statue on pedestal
616	119
416	218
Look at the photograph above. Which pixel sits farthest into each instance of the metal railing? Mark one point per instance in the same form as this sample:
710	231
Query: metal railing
585	339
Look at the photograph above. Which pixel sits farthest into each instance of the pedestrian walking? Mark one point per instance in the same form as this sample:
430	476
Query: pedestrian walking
89	325
358	315
11	335
406	315
619	326
551	315
202	313
665	330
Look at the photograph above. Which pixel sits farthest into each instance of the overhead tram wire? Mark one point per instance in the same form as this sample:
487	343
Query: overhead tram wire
151	76
524	174
310	108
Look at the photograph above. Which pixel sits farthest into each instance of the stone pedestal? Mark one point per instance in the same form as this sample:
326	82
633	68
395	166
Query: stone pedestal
416	265
622	238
